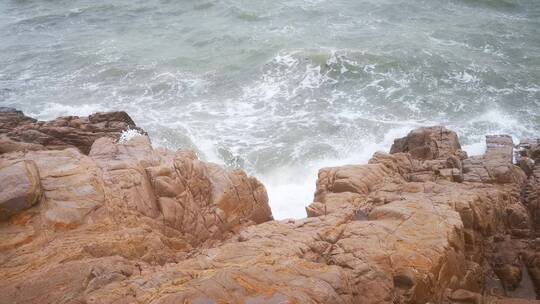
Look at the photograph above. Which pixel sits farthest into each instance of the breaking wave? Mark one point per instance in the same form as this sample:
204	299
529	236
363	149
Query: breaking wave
279	89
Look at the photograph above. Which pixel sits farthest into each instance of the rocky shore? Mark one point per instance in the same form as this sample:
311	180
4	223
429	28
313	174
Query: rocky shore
86	218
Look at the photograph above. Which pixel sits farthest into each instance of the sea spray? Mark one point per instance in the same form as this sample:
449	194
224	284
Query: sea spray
282	88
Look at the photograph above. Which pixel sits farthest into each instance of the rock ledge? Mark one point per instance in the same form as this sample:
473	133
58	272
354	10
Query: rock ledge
86	219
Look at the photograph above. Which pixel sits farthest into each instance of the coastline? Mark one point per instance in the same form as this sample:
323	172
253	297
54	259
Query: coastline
88	218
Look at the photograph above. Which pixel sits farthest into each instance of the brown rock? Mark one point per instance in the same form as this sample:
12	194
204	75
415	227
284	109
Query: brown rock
527	165
201	200
128	223
105	217
465	296
21	133
428	143
21	187
531	190
8	145
495	166
518	217
500	147
532	261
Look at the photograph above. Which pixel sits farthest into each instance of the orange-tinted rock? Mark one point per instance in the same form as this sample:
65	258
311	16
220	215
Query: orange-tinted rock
374	237
496	165
83	222
21	187
428	143
128	223
200	199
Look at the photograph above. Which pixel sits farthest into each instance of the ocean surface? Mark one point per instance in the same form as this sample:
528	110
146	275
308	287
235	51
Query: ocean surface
279	88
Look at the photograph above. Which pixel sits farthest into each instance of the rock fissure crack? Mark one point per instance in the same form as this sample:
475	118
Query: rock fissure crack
423	224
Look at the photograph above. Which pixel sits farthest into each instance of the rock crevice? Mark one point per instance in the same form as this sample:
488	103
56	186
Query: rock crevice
114	222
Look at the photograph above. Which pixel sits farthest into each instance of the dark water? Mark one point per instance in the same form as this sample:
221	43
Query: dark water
279	88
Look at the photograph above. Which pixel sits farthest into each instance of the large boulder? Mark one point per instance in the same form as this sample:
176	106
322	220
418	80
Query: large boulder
200	199
428	143
344	186
496	165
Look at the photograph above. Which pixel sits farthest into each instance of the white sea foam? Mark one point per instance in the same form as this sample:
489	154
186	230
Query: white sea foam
464	77
128	134
473	149
501	123
53	110
302	109
291	188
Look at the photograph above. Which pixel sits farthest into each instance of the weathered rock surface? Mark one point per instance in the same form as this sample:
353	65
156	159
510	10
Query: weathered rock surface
21	188
428	143
127	223
73	223
21	133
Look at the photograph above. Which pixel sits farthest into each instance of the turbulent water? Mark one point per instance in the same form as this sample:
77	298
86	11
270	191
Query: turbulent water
279	88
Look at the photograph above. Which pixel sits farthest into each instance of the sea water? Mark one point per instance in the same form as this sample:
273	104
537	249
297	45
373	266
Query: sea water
279	88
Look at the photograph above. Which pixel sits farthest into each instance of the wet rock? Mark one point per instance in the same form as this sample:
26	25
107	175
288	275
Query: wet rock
21	133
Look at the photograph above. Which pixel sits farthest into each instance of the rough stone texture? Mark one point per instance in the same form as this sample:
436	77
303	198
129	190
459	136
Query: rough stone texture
74	223
131	224
530	152
21	188
528	157
495	166
428	143
200	199
21	133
